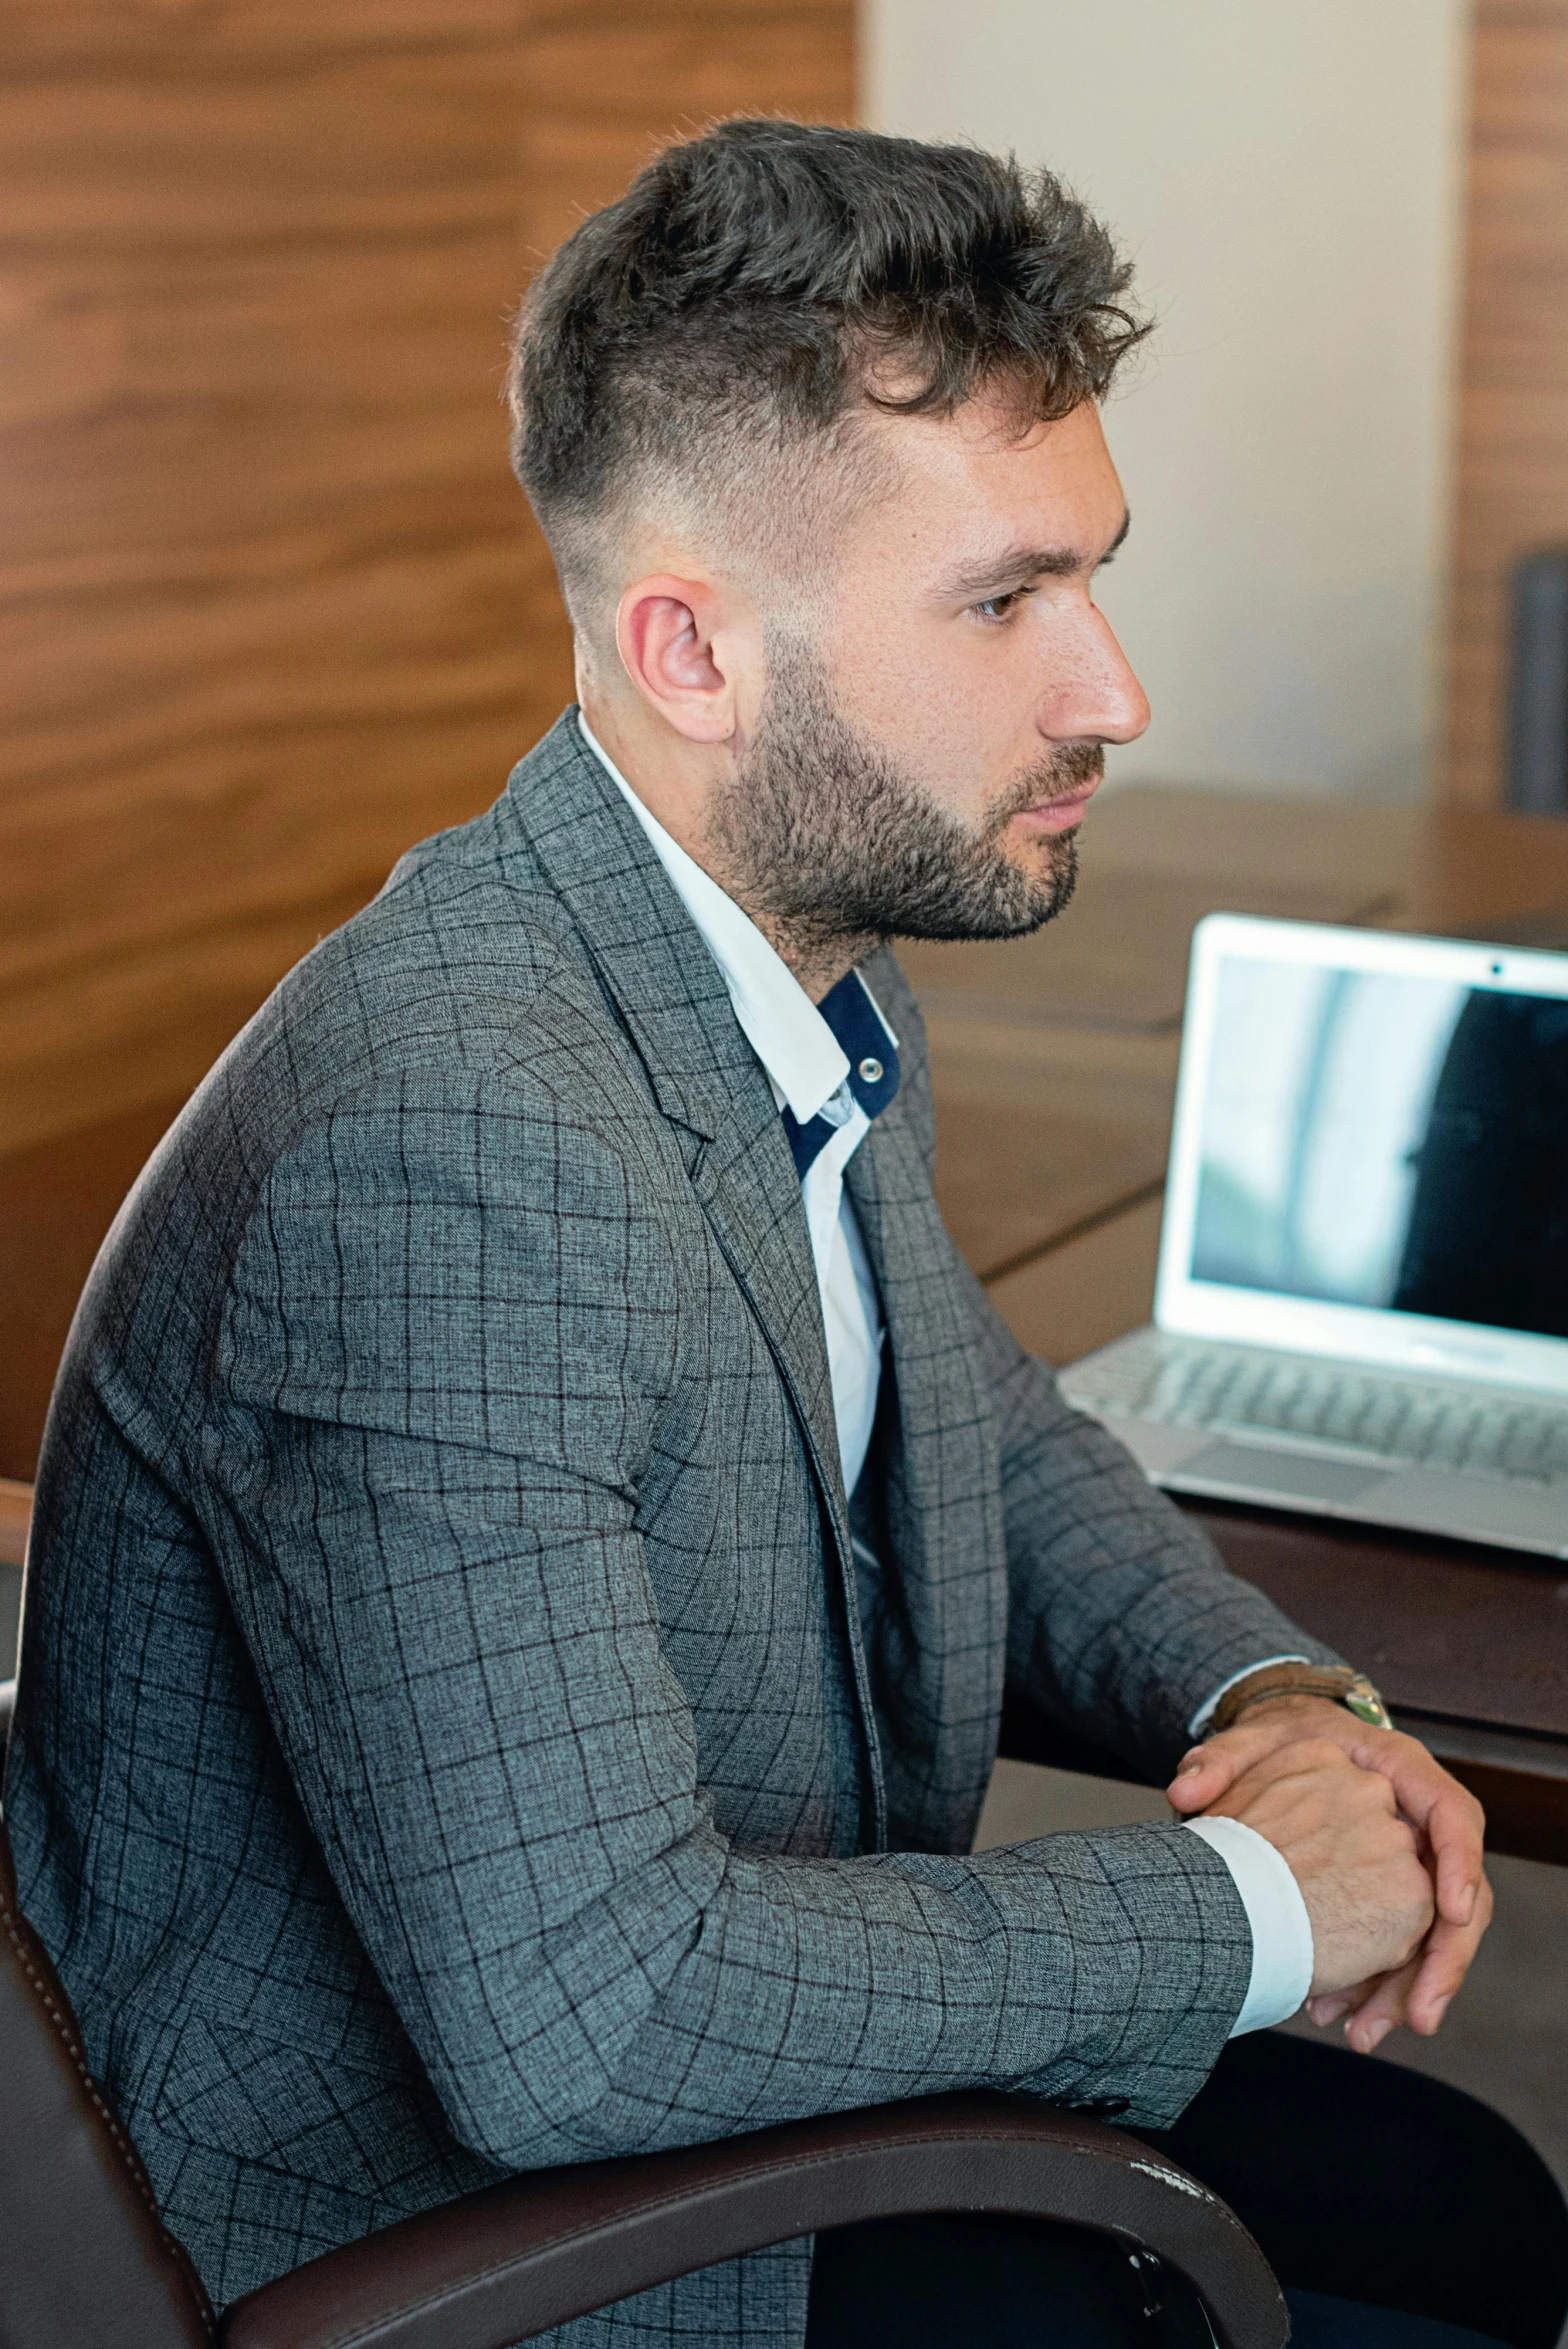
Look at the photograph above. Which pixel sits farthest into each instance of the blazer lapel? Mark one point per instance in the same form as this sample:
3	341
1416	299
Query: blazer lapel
747	1184
943	1625
675	1007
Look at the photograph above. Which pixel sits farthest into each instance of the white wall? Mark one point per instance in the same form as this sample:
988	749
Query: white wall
1287	175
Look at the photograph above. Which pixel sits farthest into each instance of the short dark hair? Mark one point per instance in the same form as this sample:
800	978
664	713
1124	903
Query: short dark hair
758	285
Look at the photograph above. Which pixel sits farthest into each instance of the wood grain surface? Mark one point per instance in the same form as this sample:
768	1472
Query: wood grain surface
1041	1129
271	607
1447	1628
1512	494
1088	1290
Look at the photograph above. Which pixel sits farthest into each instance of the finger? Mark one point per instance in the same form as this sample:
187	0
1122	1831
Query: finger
1447	1814
1453	1827
1358	1999
1448	1817
1304	1760
1455	1830
1383	2010
1443	1962
1206	1772
1330	2006
1209	1769
1199	1780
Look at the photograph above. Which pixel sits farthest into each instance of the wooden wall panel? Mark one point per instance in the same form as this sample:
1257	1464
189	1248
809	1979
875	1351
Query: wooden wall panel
263	582
592	70
1513	417
271	606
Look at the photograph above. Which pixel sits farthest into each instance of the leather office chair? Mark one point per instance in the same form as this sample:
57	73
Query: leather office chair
86	2264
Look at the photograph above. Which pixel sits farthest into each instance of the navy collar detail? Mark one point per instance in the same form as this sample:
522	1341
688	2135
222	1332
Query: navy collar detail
862	1035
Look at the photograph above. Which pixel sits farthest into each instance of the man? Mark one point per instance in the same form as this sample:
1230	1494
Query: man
536	1516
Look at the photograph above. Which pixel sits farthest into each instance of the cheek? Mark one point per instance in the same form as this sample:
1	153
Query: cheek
950	705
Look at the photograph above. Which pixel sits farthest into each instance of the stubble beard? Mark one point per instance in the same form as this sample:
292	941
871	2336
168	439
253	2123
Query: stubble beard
830	845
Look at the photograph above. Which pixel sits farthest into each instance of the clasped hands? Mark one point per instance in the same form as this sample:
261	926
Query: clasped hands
1385	1845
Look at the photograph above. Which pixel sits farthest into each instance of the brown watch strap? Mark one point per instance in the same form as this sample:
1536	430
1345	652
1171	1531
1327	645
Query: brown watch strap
1338	1683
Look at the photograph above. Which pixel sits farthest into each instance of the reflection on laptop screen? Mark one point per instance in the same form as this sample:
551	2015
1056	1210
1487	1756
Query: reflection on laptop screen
1372	1139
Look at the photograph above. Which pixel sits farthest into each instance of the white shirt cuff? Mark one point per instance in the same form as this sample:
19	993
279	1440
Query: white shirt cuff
1282	1954
1205	1712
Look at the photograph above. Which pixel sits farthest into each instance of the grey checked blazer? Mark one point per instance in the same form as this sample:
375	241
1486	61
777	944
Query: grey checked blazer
454	1736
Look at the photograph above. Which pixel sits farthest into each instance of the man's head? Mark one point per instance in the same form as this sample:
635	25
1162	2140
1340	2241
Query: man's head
809	418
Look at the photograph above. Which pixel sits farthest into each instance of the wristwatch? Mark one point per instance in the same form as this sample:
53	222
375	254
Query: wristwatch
1337	1682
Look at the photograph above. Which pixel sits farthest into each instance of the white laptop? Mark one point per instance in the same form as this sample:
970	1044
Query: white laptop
1362	1306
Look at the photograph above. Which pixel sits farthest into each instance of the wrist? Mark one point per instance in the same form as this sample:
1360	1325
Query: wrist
1334	1684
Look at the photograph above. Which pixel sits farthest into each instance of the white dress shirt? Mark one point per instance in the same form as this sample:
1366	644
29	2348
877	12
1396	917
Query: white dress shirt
809	1074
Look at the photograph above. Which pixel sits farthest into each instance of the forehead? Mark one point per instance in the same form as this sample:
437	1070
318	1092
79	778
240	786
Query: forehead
971	476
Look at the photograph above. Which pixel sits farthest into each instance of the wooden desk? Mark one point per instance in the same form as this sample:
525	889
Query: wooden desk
1042	1132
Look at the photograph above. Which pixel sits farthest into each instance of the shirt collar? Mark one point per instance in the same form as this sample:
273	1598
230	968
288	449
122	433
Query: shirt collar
778	1018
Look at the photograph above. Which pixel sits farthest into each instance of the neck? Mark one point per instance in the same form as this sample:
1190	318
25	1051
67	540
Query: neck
675	782
818	963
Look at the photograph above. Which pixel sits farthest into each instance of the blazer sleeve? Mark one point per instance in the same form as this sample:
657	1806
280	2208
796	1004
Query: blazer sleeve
1122	1617
449	1328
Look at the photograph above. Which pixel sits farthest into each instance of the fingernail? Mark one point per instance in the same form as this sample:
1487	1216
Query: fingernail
1190	1769
1467	1901
1377	2034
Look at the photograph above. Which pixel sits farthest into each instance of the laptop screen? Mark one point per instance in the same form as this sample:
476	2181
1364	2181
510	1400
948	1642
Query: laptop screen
1384	1139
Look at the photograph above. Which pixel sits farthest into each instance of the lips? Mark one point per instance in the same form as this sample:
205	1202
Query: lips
1061	813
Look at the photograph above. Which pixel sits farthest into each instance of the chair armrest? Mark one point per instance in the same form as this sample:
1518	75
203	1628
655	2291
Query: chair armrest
518	2258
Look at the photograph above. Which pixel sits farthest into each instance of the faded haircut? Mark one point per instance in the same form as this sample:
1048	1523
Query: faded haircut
702	345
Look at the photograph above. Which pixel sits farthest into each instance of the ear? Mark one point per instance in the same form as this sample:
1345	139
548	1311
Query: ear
682	648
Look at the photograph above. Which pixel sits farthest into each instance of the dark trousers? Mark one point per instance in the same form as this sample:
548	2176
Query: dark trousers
1398	2214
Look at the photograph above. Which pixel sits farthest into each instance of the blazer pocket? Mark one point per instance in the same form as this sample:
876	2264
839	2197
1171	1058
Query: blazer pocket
233	2091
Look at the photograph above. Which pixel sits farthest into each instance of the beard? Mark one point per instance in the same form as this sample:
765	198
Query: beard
826	838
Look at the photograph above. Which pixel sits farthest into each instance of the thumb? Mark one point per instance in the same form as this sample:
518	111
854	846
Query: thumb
1202	1776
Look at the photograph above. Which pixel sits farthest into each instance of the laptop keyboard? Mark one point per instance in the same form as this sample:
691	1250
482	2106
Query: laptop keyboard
1382	1417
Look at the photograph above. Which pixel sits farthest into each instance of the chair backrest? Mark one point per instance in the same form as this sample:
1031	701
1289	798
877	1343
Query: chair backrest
85	2261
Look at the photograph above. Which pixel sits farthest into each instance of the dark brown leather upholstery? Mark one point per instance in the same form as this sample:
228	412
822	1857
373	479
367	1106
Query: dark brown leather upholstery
85	2264
529	2254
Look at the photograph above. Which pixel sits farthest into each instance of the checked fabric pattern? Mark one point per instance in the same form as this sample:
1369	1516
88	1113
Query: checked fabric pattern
453	1738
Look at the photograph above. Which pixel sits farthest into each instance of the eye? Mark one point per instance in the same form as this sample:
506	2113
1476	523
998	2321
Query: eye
999	608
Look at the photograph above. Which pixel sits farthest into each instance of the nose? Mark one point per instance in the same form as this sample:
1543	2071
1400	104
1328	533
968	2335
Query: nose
1093	694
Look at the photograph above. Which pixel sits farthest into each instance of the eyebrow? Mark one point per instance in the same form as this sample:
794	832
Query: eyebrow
1015	566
